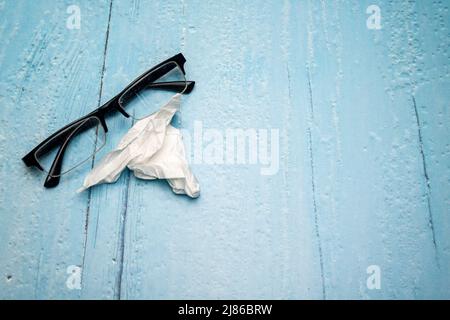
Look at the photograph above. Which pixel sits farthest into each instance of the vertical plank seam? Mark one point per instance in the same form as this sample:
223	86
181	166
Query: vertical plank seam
100	93
313	186
121	240
426	176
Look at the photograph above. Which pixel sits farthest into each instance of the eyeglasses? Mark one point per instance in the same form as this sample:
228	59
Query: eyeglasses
79	141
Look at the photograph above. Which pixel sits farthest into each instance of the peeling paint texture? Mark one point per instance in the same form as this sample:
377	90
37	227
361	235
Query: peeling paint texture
364	151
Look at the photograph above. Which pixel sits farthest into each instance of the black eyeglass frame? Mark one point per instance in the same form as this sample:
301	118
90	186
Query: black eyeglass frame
62	136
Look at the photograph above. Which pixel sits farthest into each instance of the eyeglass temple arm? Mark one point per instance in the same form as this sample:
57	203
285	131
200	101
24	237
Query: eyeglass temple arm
176	86
54	175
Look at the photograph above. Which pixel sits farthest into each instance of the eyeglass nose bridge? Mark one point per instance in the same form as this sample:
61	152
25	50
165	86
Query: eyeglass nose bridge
101	118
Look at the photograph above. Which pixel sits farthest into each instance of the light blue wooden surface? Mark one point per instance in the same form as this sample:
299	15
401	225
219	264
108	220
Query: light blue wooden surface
364	151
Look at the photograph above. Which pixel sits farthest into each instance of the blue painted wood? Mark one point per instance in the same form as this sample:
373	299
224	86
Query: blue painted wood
252	246
364	160
369	176
49	76
431	101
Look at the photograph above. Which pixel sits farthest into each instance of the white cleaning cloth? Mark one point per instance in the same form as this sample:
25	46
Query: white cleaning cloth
152	149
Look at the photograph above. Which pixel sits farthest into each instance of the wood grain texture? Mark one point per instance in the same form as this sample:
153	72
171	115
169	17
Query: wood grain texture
50	75
364	153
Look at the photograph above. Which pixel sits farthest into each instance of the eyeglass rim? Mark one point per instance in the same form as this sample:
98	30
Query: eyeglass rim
64	144
143	79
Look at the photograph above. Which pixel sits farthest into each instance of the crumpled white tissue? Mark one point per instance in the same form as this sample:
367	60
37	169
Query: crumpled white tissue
152	149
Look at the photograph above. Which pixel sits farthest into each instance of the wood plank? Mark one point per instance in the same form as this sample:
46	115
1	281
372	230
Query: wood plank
432	105
135	44
49	76
368	176
432	108
262	243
